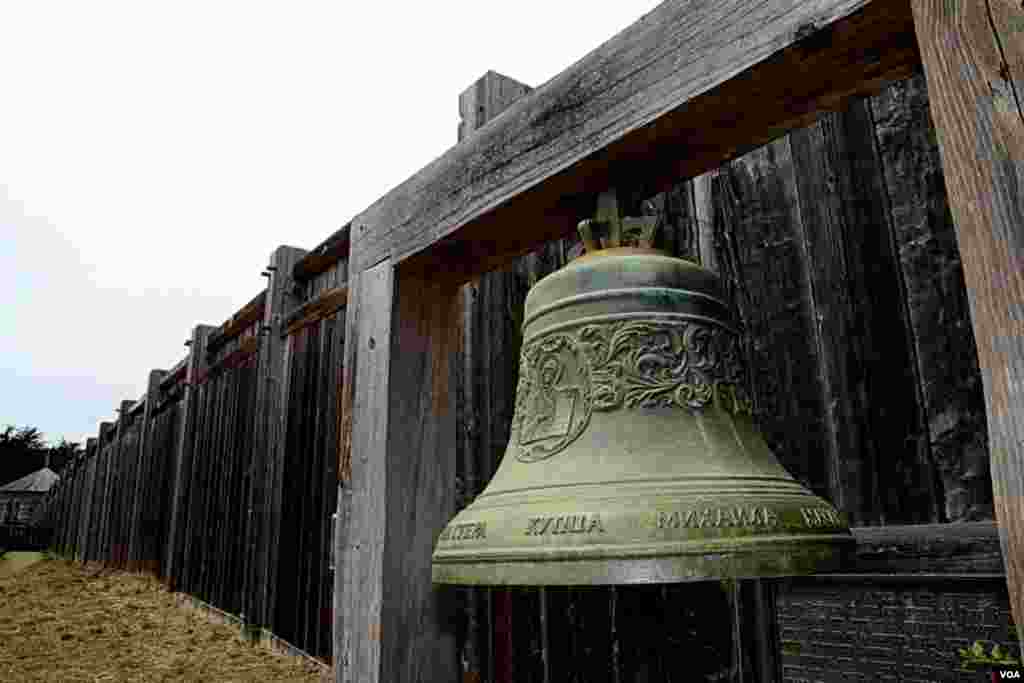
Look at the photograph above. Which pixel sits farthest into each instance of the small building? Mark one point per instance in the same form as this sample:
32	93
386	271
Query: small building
20	498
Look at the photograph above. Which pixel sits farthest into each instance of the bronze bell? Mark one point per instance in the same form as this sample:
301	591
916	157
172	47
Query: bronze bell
633	457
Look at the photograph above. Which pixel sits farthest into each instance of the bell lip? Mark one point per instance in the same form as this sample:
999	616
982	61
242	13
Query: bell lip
778	560
625	251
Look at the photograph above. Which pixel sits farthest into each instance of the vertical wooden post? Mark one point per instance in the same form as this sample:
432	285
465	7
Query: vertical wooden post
98	499
84	507
183	458
136	560
120	466
268	443
396	626
489	96
480	390
973	55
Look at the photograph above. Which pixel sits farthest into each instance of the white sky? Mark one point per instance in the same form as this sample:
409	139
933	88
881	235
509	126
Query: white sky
153	155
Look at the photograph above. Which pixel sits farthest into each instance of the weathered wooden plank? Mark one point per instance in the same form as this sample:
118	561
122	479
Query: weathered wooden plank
325	304
358	654
268	437
237	323
867	378
324	256
144	499
941	348
663	100
974	62
245	348
183	458
397	626
175	374
490	95
963	548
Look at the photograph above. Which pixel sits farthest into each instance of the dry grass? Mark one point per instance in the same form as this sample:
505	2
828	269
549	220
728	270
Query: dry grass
61	622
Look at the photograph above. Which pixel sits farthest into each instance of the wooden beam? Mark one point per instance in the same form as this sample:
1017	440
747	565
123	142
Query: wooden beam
670	97
319	308
489	96
395	623
326	254
175	374
246	347
268	442
973	55
236	324
965	548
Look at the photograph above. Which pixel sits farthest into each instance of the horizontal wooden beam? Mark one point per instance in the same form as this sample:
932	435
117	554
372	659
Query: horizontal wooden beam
246	316
320	259
137	407
687	87
246	348
175	374
319	308
963	548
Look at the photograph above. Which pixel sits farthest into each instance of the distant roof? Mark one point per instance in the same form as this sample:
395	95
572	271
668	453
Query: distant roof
39	481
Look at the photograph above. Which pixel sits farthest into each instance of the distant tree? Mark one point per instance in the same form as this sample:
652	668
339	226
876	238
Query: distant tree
63	453
23	450
23	440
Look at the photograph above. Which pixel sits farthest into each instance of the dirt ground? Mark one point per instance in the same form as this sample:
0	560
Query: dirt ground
61	622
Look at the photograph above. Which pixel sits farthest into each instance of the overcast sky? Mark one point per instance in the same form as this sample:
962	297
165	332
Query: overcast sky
153	155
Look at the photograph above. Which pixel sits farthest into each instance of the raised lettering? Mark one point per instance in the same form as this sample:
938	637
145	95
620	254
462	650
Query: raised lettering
463	532
818	517
668	520
570	524
718	518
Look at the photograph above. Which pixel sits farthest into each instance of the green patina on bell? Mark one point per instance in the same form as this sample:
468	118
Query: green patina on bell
633	457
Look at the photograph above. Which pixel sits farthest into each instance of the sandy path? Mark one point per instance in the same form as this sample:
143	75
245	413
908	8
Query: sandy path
60	622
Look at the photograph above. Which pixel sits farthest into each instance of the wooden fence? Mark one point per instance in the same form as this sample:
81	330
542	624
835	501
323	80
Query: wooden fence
222	479
837	241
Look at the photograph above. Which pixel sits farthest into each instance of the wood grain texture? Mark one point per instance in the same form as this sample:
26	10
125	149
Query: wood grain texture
418	630
867	377
325	304
270	414
659	102
237	323
972	61
359	656
397	625
490	95
966	548
322	257
183	458
952	442
143	499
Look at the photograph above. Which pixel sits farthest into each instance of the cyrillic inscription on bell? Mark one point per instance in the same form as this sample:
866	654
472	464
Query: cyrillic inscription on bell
632	456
